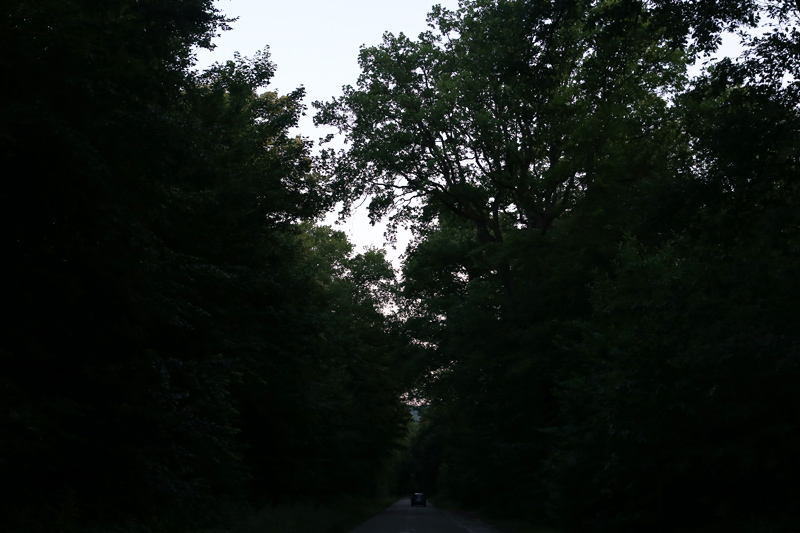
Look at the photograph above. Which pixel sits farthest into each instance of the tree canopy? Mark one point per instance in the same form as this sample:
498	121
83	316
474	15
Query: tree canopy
597	315
598	296
175	336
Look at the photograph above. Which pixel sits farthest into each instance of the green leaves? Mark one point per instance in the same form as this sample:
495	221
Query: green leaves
180	334
503	112
592	297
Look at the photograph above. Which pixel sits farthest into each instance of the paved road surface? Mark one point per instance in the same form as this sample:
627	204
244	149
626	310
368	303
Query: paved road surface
402	518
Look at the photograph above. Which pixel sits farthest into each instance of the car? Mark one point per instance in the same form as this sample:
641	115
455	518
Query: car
419	498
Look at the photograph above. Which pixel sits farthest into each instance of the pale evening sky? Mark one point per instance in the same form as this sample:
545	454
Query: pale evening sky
315	43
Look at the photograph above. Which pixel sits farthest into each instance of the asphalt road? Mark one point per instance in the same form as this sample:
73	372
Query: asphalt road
402	518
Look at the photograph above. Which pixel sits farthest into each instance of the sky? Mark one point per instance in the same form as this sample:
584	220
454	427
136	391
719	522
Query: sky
315	44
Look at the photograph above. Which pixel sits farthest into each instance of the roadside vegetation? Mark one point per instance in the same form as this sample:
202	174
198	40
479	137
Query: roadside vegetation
601	298
338	516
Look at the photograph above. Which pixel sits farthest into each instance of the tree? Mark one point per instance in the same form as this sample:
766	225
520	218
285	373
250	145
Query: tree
484	133
92	92
683	397
166	315
505	113
327	425
523	141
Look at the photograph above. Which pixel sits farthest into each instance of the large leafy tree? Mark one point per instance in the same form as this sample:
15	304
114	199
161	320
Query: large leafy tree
506	113
523	140
692	348
88	401
170	339
320	423
485	133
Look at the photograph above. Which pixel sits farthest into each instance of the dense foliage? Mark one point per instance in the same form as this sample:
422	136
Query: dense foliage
601	299
598	315
176	330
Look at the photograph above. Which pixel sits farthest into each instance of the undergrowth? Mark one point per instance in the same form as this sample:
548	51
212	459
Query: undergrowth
340	516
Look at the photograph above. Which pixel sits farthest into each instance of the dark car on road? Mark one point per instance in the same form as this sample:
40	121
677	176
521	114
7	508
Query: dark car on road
419	498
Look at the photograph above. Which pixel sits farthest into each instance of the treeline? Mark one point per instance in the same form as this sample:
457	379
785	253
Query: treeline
176	330
602	299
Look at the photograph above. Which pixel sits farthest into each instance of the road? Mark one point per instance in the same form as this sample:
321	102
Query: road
402	518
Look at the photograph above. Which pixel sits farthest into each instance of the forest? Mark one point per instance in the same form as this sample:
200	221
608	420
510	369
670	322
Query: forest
596	318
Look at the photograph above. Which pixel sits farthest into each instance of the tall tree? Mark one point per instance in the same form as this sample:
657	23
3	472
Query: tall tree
684	397
166	315
507	113
523	140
